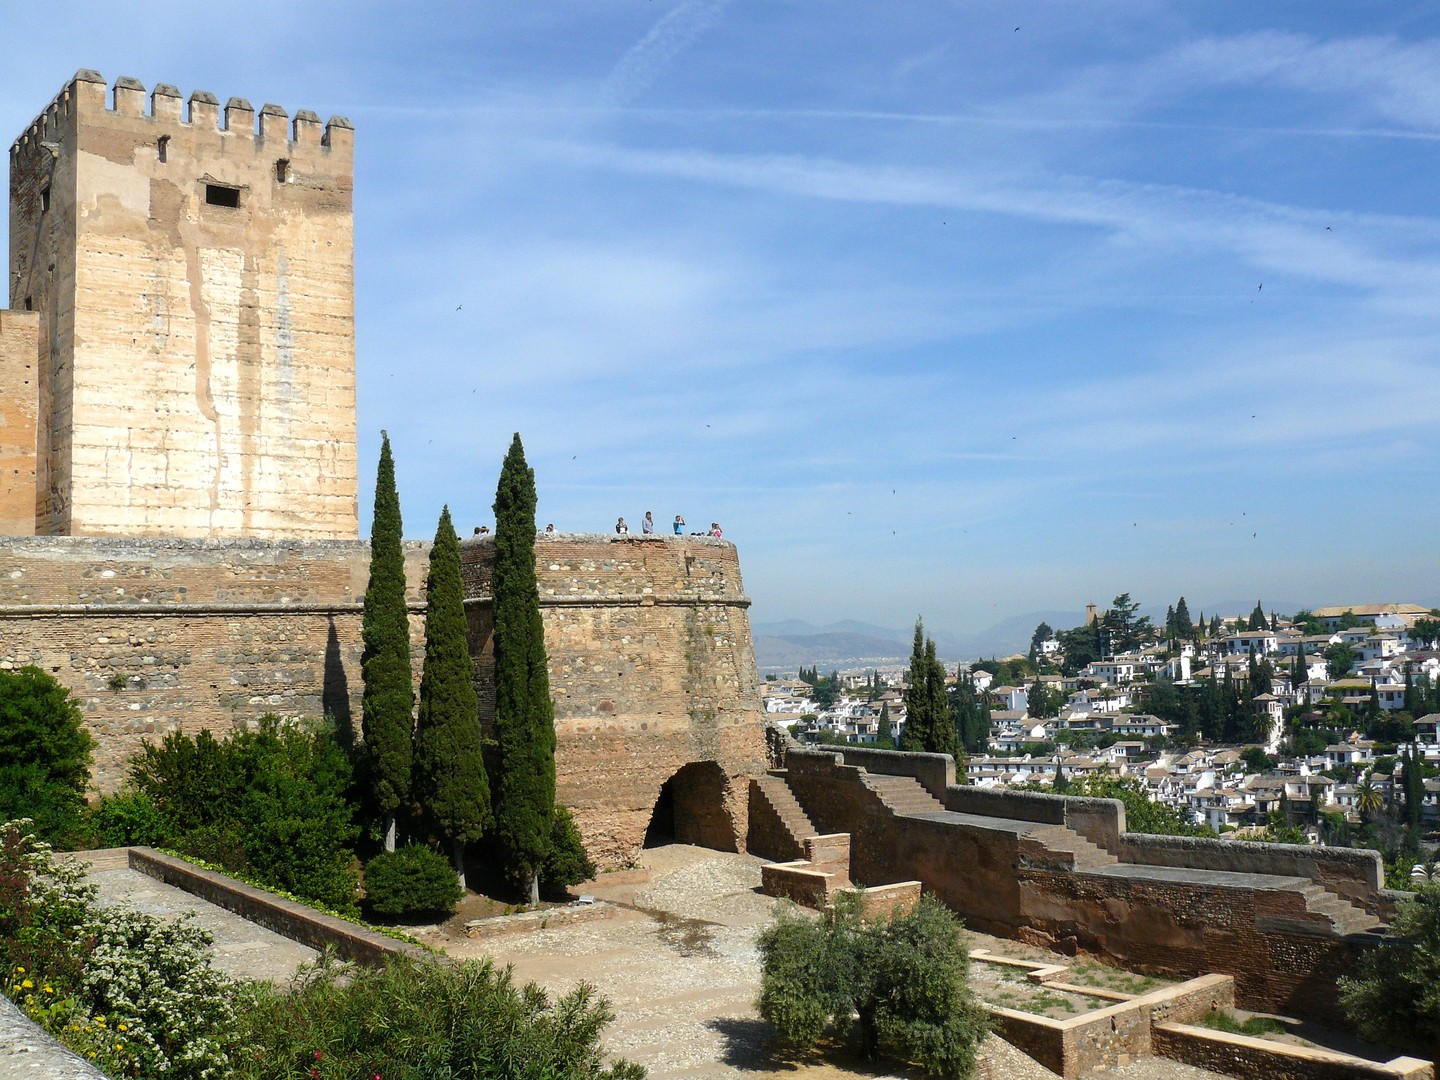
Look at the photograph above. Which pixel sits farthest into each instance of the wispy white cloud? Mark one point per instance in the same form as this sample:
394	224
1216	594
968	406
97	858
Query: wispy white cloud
647	59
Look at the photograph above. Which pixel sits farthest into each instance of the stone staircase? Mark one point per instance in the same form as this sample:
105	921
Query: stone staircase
1084	854
1343	915
795	827
903	795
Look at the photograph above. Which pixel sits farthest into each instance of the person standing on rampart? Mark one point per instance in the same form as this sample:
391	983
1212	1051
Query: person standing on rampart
679	525
621	527
647	527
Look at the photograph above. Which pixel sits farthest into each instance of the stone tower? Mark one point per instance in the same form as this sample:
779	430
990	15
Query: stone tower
181	357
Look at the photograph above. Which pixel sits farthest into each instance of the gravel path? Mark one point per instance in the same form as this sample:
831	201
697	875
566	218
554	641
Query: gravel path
680	969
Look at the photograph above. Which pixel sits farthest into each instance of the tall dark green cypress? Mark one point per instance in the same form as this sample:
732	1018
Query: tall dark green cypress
524	711
387	717
916	735
944	739
450	781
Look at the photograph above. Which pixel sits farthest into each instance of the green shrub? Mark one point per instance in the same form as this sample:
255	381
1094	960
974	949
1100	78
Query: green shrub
898	984
566	862
44	754
420	1020
126	819
275	800
413	881
1395	996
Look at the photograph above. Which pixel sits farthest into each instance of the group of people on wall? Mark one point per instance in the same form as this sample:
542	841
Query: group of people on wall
647	527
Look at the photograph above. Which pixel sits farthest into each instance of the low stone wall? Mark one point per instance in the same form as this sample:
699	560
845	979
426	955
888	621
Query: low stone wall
1354	873
1264	1059
286	917
1101	821
1113	1035
798	882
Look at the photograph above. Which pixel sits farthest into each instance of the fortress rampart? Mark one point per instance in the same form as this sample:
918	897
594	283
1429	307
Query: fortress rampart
651	660
653	674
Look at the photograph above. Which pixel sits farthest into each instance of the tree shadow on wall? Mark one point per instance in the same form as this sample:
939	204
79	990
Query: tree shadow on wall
335	691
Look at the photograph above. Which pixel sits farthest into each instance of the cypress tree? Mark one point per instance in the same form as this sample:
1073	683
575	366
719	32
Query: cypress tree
1184	628
917	702
943	737
450	782
387	717
524	711
884	733
1257	618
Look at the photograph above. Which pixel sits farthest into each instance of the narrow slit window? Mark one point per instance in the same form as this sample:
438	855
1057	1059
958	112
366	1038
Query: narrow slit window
282	171
29	304
220	195
163	147
45	198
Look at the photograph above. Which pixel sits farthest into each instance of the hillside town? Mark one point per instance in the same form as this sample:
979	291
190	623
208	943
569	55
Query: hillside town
1329	698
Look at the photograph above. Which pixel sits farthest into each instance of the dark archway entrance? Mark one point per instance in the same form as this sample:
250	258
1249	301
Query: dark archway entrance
691	810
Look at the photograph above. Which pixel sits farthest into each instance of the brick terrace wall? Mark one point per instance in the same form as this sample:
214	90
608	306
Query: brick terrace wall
1240	1055
1354	873
1283	957
651	660
651	666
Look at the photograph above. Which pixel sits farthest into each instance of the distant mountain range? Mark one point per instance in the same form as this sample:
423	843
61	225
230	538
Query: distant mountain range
792	643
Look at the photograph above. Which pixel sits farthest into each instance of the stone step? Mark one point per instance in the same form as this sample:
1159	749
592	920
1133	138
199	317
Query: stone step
1346	917
787	808
1087	855
105	859
903	795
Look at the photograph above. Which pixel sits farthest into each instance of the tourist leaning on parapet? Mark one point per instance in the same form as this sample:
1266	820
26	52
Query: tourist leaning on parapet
679	525
648	525
715	530
621	527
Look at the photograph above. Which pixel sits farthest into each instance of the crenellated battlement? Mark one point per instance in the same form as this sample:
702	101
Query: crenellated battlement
87	93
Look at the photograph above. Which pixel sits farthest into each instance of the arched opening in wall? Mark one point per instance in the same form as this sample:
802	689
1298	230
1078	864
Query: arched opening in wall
691	810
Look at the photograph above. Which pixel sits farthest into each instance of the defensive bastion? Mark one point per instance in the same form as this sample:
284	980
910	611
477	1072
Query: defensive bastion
656	692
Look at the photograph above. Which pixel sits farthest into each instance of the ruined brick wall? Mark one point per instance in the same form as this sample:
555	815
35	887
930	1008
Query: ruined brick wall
19	350
652	669
652	666
194	280
1282	956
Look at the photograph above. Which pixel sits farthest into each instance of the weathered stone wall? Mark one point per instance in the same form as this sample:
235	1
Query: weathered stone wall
198	361
1250	925
159	635
651	666
19	400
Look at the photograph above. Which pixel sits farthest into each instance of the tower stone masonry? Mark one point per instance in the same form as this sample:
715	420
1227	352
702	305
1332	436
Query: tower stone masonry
192	277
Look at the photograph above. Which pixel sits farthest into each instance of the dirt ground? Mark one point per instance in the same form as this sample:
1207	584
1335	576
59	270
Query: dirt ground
679	967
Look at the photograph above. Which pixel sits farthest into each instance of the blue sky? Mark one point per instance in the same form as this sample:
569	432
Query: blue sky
954	308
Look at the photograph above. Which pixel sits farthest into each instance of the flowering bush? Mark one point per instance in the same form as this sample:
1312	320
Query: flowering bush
136	995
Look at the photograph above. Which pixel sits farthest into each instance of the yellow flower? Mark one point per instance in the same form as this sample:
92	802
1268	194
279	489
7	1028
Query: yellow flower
49	989
122	1027
28	985
20	971
119	1046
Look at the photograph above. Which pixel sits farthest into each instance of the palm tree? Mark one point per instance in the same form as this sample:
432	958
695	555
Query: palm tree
1368	799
